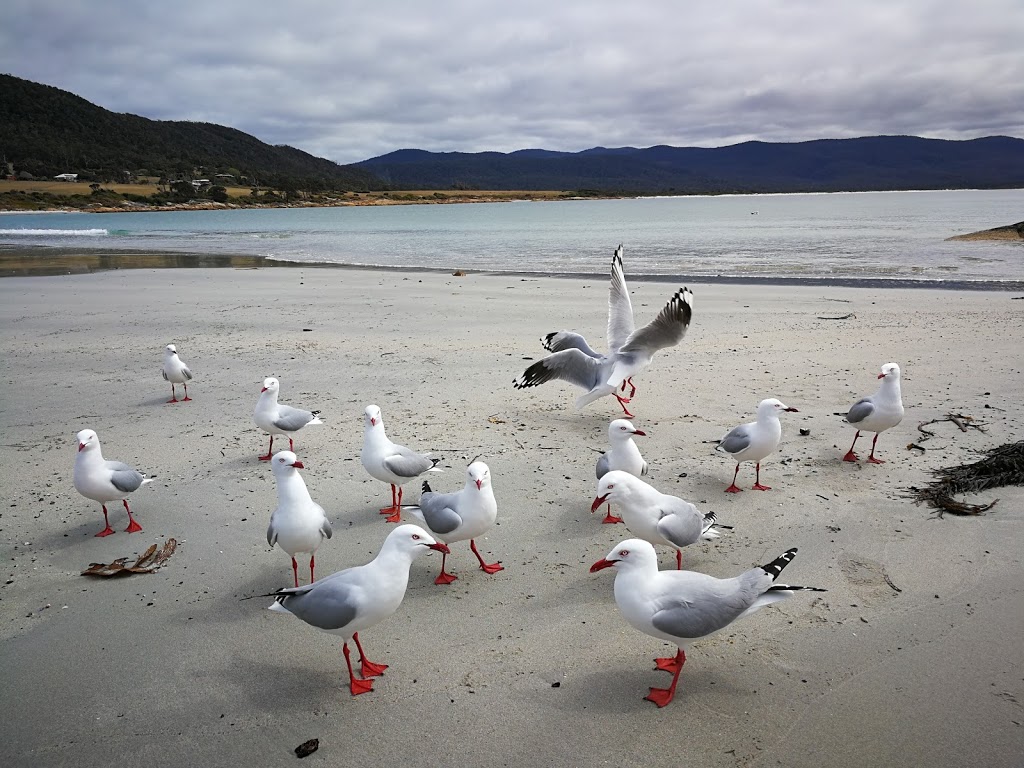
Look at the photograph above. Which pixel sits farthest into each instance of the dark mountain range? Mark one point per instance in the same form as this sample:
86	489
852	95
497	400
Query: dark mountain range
872	163
45	131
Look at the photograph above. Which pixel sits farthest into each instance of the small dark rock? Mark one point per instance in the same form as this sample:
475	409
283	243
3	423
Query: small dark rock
805	432
556	685
307	748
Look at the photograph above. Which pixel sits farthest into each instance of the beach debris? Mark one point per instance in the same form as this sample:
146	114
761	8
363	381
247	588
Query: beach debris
458	273
496	420
307	748
841	317
148	562
963	422
1003	465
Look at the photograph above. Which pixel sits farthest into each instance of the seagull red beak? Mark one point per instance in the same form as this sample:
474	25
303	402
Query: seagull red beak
80	447
440	547
598	502
373	422
881	375
263	390
298	465
792	410
601	564
639	432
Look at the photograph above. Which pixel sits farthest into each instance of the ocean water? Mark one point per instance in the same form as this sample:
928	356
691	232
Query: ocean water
848	236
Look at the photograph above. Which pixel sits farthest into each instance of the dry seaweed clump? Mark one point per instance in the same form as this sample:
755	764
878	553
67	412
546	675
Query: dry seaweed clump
1001	466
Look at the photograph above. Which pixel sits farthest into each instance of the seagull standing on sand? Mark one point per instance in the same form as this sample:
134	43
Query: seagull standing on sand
176	372
349	601
103	481
630	351
389	462
299	523
462	515
878	412
656	517
276	419
754	441
680	607
624	455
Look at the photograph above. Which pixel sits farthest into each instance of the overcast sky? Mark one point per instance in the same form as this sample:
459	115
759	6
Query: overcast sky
352	80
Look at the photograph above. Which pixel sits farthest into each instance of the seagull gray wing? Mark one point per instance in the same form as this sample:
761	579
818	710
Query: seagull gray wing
620	308
164	374
705	605
124	478
325	528
439	512
326	604
667	329
736	440
559	340
186	372
406	463
292	419
860	410
602	466
570	365
272	532
680	529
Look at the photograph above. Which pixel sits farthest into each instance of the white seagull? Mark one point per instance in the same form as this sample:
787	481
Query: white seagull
623	455
176	372
680	607
103	481
298	524
878	412
462	515
654	516
755	440
276	419
349	601
630	351
390	462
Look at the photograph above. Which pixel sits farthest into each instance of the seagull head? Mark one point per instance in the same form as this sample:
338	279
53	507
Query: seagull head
87	440
271	385
771	405
623	429
627	554
372	417
890	371
285	461
479	474
170	349
612	487
414	541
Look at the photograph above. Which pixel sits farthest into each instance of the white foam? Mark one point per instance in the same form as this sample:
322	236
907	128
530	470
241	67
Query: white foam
54	232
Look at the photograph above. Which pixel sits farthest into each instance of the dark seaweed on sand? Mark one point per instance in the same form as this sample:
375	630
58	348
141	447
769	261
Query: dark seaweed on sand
1001	466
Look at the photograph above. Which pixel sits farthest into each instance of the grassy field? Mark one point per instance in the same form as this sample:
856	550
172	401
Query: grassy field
82	188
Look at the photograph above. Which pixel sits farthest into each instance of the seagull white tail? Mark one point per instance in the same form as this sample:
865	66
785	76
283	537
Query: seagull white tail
316	420
147	480
278	608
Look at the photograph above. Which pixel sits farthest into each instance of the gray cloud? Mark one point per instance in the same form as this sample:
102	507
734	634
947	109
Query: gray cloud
349	80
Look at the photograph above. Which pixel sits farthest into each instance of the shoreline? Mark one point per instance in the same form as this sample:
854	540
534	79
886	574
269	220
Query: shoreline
41	261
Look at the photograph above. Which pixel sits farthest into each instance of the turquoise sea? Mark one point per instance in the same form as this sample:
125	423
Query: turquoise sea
845	236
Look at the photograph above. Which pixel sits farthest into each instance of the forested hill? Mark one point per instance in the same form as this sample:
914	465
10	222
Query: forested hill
871	163
45	131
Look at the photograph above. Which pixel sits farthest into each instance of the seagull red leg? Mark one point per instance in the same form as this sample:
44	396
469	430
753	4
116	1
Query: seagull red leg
850	455
270	451
609	518
668	664
133	526
394	502
396	509
312	562
632	388
108	530
355	685
679	559
186	398
442	577
295	570
757	481
872	458
734	488
174	395
662	696
622	403
291	445
485	567
367	667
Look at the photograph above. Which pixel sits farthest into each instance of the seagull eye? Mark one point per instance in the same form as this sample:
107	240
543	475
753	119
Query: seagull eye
623	553
610	486
415	537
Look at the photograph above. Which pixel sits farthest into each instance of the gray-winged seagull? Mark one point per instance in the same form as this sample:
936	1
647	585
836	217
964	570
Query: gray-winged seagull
878	412
680	607
298	524
175	372
623	455
755	440
103	481
389	462
276	419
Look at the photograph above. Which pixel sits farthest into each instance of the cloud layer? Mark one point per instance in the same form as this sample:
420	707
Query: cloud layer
350	81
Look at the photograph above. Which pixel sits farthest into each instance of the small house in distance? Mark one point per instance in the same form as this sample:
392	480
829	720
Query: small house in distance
66	177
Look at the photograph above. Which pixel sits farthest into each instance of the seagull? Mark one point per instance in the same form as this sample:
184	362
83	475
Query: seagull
683	606
656	517
103	481
299	523
176	372
754	441
878	412
623	455
355	599
630	351
276	419
462	515
389	462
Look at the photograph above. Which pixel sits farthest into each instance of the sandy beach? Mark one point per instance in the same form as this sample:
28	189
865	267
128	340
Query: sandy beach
911	658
